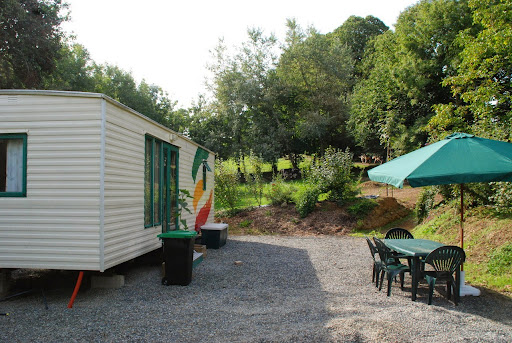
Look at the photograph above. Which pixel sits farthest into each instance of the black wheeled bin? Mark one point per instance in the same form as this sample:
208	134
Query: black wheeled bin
178	256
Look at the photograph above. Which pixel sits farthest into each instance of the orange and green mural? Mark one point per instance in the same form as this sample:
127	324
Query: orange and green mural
201	155
202	217
199	190
198	193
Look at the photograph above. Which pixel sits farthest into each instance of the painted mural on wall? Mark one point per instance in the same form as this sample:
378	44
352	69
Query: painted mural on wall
203	213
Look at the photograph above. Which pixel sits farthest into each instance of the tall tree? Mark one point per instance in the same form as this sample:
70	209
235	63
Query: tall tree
422	56
208	128
377	99
317	70
30	40
240	87
482	86
73	70
355	32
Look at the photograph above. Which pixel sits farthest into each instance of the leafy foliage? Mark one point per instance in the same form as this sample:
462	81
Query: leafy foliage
255	181
30	41
280	192
332	174
481	86
226	181
502	196
394	100
362	207
356	32
183	206
425	202
306	200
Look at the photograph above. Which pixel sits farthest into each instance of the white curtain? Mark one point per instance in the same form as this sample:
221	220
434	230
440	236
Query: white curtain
14	165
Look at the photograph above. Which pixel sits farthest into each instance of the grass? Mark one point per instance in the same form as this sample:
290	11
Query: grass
282	163
248	200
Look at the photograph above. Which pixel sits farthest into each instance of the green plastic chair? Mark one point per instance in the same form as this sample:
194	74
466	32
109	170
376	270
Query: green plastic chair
398	233
389	266
445	260
376	262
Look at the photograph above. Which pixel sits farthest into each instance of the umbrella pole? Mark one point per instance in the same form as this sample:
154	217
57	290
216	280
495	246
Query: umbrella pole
461	220
464	289
462	216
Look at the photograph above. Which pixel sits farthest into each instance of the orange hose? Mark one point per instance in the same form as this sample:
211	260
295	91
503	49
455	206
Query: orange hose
77	287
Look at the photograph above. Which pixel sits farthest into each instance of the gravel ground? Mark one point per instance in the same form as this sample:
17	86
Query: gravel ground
288	289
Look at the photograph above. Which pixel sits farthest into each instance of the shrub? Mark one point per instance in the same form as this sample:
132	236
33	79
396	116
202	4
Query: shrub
332	174
227	191
502	196
362	207
306	201
255	181
280	192
500	261
183	206
425	202
245	223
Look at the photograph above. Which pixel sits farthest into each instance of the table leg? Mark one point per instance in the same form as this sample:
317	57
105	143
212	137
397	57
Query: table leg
415	273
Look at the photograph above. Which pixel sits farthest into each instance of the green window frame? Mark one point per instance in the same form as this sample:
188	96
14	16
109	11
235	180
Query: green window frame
204	177
13	165
152	182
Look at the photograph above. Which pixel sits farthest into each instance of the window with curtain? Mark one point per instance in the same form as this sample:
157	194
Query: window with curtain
13	165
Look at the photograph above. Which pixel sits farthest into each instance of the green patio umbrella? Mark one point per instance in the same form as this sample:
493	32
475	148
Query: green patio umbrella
458	159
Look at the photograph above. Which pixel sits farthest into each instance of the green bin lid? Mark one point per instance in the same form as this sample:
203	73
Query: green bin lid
178	234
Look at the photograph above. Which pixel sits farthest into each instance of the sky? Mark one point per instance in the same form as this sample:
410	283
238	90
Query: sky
169	42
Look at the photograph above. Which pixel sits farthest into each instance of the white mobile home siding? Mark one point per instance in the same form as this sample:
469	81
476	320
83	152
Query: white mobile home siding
124	234
56	226
84	208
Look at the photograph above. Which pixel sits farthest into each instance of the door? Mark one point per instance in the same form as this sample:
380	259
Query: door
169	187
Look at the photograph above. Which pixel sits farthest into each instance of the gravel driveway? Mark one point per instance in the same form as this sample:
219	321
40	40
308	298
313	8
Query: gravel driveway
288	289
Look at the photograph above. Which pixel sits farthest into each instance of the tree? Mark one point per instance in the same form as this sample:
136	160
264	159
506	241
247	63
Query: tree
208	128
30	41
377	99
243	105
409	68
317	71
482	85
356	32
147	99
73	70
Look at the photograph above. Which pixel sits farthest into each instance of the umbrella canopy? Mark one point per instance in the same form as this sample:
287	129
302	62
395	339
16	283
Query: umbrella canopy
459	158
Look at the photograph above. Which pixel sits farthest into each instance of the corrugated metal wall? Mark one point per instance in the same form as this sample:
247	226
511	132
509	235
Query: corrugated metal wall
56	226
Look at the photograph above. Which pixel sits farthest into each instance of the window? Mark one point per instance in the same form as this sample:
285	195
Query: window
13	165
152	184
160	184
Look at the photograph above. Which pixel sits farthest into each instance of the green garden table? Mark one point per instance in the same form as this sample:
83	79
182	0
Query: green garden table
417	249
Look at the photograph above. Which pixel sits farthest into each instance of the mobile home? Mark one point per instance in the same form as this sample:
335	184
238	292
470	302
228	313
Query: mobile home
87	183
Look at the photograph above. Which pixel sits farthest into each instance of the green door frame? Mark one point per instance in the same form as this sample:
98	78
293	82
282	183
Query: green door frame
167	152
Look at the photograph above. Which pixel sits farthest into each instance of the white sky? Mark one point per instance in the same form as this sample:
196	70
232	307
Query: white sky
168	42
